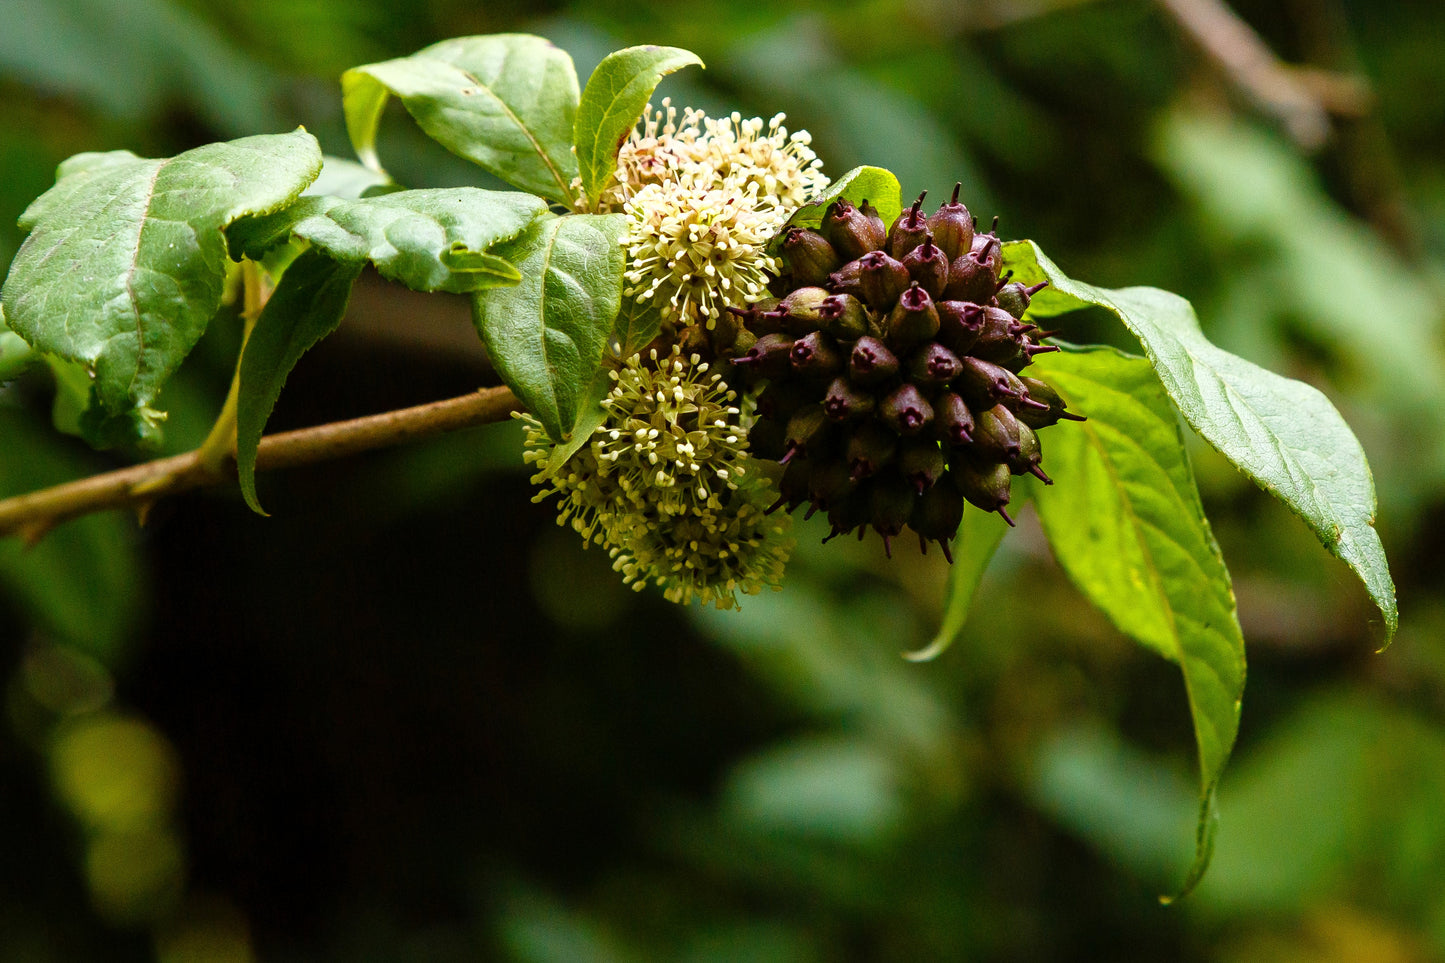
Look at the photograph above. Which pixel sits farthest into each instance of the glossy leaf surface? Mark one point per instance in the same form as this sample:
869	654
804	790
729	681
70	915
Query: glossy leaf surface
546	335
1125	522
126	259
507	102
1283	434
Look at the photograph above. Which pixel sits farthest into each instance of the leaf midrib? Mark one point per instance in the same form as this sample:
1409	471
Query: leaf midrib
130	273
1136	527
566	188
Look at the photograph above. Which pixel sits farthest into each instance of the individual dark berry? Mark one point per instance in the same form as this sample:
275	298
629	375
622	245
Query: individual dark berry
952	420
870	448
851	232
913	319
845	401
971	278
882	279
988	248
794	488
847	279
802	309
878	231
769	356
810	256
986	384
908	230
933	364
905	410
1044	393
928	266
844	317
952	227
846	514
936	515
920	461
830	482
1029	456
1015	298
1001	338
806	428
959	324
996	434
890	504
984	484
871	362
816	355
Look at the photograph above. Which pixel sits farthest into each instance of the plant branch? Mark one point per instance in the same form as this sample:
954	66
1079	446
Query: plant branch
32	515
1301	98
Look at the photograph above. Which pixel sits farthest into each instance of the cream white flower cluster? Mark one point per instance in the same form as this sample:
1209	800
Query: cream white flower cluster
664	485
705	196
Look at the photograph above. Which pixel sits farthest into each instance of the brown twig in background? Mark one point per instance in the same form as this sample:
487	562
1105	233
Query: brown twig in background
1301	98
32	515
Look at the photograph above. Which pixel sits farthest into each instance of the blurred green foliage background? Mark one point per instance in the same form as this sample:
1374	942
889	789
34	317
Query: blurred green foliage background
409	719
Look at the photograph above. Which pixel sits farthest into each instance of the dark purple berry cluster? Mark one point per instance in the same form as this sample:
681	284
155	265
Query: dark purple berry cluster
892	357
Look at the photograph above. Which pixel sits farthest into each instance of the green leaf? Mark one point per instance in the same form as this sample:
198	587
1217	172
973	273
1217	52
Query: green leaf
429	240
978	538
874	184
126	260
340	177
306	306
615	96
590	417
1125	522
637	324
547	334
507	102
15	353
1282	433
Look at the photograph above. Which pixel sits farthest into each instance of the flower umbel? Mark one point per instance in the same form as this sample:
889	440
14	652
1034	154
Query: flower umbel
705	197
693	250
667	486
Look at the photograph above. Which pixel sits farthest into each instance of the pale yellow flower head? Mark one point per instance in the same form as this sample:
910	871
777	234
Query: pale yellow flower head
696	246
667	487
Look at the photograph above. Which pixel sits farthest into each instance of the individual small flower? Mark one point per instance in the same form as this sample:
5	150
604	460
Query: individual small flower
695	249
